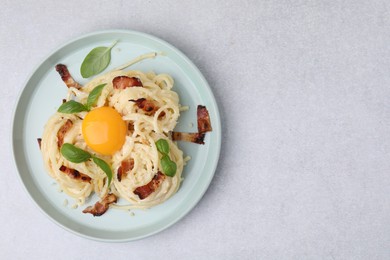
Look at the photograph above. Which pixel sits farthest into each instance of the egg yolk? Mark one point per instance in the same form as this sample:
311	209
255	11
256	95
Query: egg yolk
104	130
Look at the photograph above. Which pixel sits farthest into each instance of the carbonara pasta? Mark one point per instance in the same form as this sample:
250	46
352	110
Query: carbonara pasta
138	161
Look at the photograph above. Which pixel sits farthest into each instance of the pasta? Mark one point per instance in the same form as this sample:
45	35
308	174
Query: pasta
143	130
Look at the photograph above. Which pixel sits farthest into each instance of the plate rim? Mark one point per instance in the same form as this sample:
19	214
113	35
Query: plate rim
198	74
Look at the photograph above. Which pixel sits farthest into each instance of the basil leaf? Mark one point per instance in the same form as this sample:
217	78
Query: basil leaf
94	95
96	61
104	166
72	107
162	146
168	166
74	154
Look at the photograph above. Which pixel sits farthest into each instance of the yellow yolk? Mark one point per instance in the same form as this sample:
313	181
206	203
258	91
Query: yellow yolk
104	130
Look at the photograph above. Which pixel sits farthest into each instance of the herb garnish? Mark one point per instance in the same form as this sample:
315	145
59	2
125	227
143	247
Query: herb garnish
74	154
96	61
94	95
169	167
72	107
77	155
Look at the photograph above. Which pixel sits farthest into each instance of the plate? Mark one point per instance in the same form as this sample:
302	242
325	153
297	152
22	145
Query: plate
40	98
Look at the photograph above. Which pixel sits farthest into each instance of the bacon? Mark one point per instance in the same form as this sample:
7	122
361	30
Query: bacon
148	106
66	77
39	142
144	191
75	174
197	138
102	206
130	126
126	165
122	82
204	124
63	130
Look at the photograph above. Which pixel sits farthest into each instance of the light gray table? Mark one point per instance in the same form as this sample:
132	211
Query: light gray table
304	93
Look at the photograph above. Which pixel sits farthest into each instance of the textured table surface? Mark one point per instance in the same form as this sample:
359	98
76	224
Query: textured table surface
303	89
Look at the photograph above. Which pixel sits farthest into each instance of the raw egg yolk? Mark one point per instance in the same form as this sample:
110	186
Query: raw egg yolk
104	130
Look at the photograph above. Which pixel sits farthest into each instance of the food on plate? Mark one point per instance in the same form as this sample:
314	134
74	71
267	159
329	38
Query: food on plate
114	137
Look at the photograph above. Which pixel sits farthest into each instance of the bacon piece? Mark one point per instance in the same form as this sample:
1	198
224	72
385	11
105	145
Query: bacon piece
148	106
204	124
39	142
102	206
66	77
126	165
63	130
197	138
130	126
75	174
144	191
122	82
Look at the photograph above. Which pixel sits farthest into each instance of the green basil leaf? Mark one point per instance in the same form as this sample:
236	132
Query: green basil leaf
168	166
74	154
71	107
104	166
96	61
162	146
94	95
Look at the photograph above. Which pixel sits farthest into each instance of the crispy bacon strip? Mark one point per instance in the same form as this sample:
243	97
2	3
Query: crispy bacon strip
197	138
144	191
148	106
122	82
75	174
66	77
63	130
39	142
102	206
204	124
126	165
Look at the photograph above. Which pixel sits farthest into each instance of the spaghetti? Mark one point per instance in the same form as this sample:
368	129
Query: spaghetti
144	128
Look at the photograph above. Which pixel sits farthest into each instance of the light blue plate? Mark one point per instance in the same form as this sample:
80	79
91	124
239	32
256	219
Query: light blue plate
41	97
